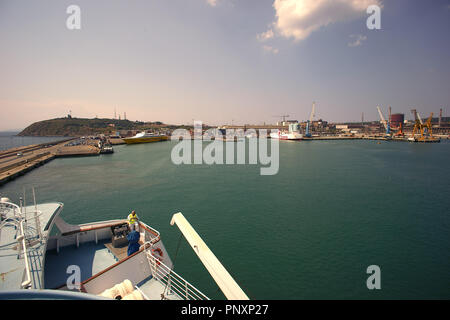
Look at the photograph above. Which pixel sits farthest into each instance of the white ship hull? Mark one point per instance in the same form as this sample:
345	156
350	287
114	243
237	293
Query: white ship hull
286	135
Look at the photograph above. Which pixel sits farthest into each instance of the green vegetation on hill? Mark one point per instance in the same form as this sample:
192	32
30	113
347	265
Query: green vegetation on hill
81	127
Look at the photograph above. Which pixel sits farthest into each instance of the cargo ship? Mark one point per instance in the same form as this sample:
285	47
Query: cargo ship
145	137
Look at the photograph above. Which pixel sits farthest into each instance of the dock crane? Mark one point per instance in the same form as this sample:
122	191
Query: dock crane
427	125
399	132
417	125
386	124
425	129
309	122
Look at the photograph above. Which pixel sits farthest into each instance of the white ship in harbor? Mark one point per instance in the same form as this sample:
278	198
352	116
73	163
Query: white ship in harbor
292	134
37	265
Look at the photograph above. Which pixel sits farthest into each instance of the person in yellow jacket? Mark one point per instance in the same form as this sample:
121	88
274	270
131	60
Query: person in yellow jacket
133	221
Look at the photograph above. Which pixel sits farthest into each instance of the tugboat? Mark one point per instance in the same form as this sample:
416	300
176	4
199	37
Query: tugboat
106	149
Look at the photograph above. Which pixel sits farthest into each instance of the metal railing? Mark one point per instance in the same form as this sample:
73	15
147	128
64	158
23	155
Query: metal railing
18	221
23	246
151	232
19	216
33	232
172	281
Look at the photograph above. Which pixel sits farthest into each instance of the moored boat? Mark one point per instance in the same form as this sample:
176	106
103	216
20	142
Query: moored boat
145	137
286	135
292	134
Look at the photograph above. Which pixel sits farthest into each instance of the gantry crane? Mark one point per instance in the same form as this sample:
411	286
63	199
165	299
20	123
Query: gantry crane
427	126
419	126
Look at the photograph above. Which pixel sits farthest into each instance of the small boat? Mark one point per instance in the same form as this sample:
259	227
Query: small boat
106	149
145	137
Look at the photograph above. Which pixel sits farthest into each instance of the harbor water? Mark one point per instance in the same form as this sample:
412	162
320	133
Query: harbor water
309	232
9	140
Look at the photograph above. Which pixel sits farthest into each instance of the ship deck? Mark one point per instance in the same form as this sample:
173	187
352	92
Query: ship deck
90	257
152	289
43	262
14	264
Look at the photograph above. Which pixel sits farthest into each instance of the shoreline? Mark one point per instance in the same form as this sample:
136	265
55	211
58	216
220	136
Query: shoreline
17	161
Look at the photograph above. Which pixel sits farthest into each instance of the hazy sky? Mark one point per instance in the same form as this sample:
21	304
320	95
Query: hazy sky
220	61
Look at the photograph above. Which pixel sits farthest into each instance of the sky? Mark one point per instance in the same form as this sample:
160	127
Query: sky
222	61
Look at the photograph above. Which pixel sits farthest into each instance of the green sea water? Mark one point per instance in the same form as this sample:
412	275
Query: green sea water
308	232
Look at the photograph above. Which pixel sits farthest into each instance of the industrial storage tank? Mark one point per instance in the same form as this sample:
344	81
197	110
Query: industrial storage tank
396	119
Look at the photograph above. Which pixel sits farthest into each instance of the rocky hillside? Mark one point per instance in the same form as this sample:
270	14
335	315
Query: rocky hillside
80	127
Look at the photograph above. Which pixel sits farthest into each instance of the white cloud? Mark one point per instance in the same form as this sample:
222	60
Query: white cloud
264	36
358	39
212	3
270	49
297	19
